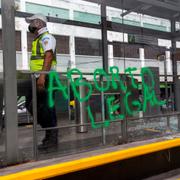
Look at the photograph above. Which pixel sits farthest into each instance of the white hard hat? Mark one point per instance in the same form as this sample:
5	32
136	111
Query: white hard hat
37	16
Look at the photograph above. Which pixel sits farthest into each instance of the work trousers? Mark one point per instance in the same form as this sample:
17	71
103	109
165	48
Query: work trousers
46	116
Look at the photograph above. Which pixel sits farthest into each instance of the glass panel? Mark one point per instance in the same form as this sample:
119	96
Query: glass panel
135	103
75	48
47	10
87	17
2	108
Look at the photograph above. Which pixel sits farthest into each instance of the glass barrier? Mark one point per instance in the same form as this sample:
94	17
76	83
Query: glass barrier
90	108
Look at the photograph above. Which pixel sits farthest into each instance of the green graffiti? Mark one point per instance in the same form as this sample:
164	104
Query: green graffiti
78	82
101	73
116	79
135	103
129	71
112	109
93	123
55	85
148	90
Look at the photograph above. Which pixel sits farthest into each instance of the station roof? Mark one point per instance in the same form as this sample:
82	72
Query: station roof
167	9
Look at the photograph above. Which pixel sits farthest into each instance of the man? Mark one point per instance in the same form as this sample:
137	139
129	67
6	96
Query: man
43	58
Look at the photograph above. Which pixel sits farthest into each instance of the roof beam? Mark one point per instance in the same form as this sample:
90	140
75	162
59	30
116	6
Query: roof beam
139	8
161	4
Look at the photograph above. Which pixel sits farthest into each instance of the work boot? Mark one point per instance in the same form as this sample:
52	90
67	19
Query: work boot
50	141
47	135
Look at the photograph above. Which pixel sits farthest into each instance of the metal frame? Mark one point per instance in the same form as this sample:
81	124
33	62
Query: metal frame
111	26
10	81
34	97
161	4
9	63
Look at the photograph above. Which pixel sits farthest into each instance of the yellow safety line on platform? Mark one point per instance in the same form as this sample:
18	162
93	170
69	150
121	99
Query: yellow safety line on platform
89	162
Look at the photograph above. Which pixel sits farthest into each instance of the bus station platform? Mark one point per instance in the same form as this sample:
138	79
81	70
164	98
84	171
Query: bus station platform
133	160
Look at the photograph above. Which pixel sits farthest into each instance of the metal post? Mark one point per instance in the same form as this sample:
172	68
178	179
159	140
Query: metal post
123	122
34	98
81	112
105	60
175	78
103	114
104	36
174	63
10	80
68	85
69	107
166	92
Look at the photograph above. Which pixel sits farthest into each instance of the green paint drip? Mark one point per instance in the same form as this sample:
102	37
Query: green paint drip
75	83
55	85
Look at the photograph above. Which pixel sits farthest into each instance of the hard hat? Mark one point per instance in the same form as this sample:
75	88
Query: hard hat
37	16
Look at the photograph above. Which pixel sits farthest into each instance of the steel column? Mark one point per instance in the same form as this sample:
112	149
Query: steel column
105	62
174	65
104	36
10	80
34	98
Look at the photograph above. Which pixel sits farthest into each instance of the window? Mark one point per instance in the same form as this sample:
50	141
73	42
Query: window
85	46
87	17
126	50
47	10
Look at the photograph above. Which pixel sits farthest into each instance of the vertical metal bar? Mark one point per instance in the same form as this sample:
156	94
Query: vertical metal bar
34	100
166	84
81	112
124	122
105	60
174	63
171	96
175	78
104	35
166	92
103	114
10	80
68	85
69	107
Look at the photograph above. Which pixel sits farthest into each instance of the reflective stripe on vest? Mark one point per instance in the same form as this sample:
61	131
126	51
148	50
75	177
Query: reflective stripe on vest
37	56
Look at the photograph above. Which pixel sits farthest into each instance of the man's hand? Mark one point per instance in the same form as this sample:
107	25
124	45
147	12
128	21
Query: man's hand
46	67
41	82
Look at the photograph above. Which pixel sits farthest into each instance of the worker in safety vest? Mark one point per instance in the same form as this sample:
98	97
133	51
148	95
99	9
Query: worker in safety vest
43	58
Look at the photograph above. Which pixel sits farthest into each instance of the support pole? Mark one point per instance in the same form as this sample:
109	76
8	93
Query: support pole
176	83
10	80
105	62
174	66
104	36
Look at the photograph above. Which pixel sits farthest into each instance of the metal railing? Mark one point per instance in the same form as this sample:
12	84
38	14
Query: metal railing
124	128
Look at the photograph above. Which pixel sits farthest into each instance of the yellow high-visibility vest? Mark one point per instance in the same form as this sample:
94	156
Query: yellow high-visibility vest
37	56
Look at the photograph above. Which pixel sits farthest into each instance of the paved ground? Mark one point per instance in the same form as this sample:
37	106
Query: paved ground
72	142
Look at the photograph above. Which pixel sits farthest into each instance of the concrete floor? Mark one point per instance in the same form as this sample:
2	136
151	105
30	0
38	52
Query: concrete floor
71	142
